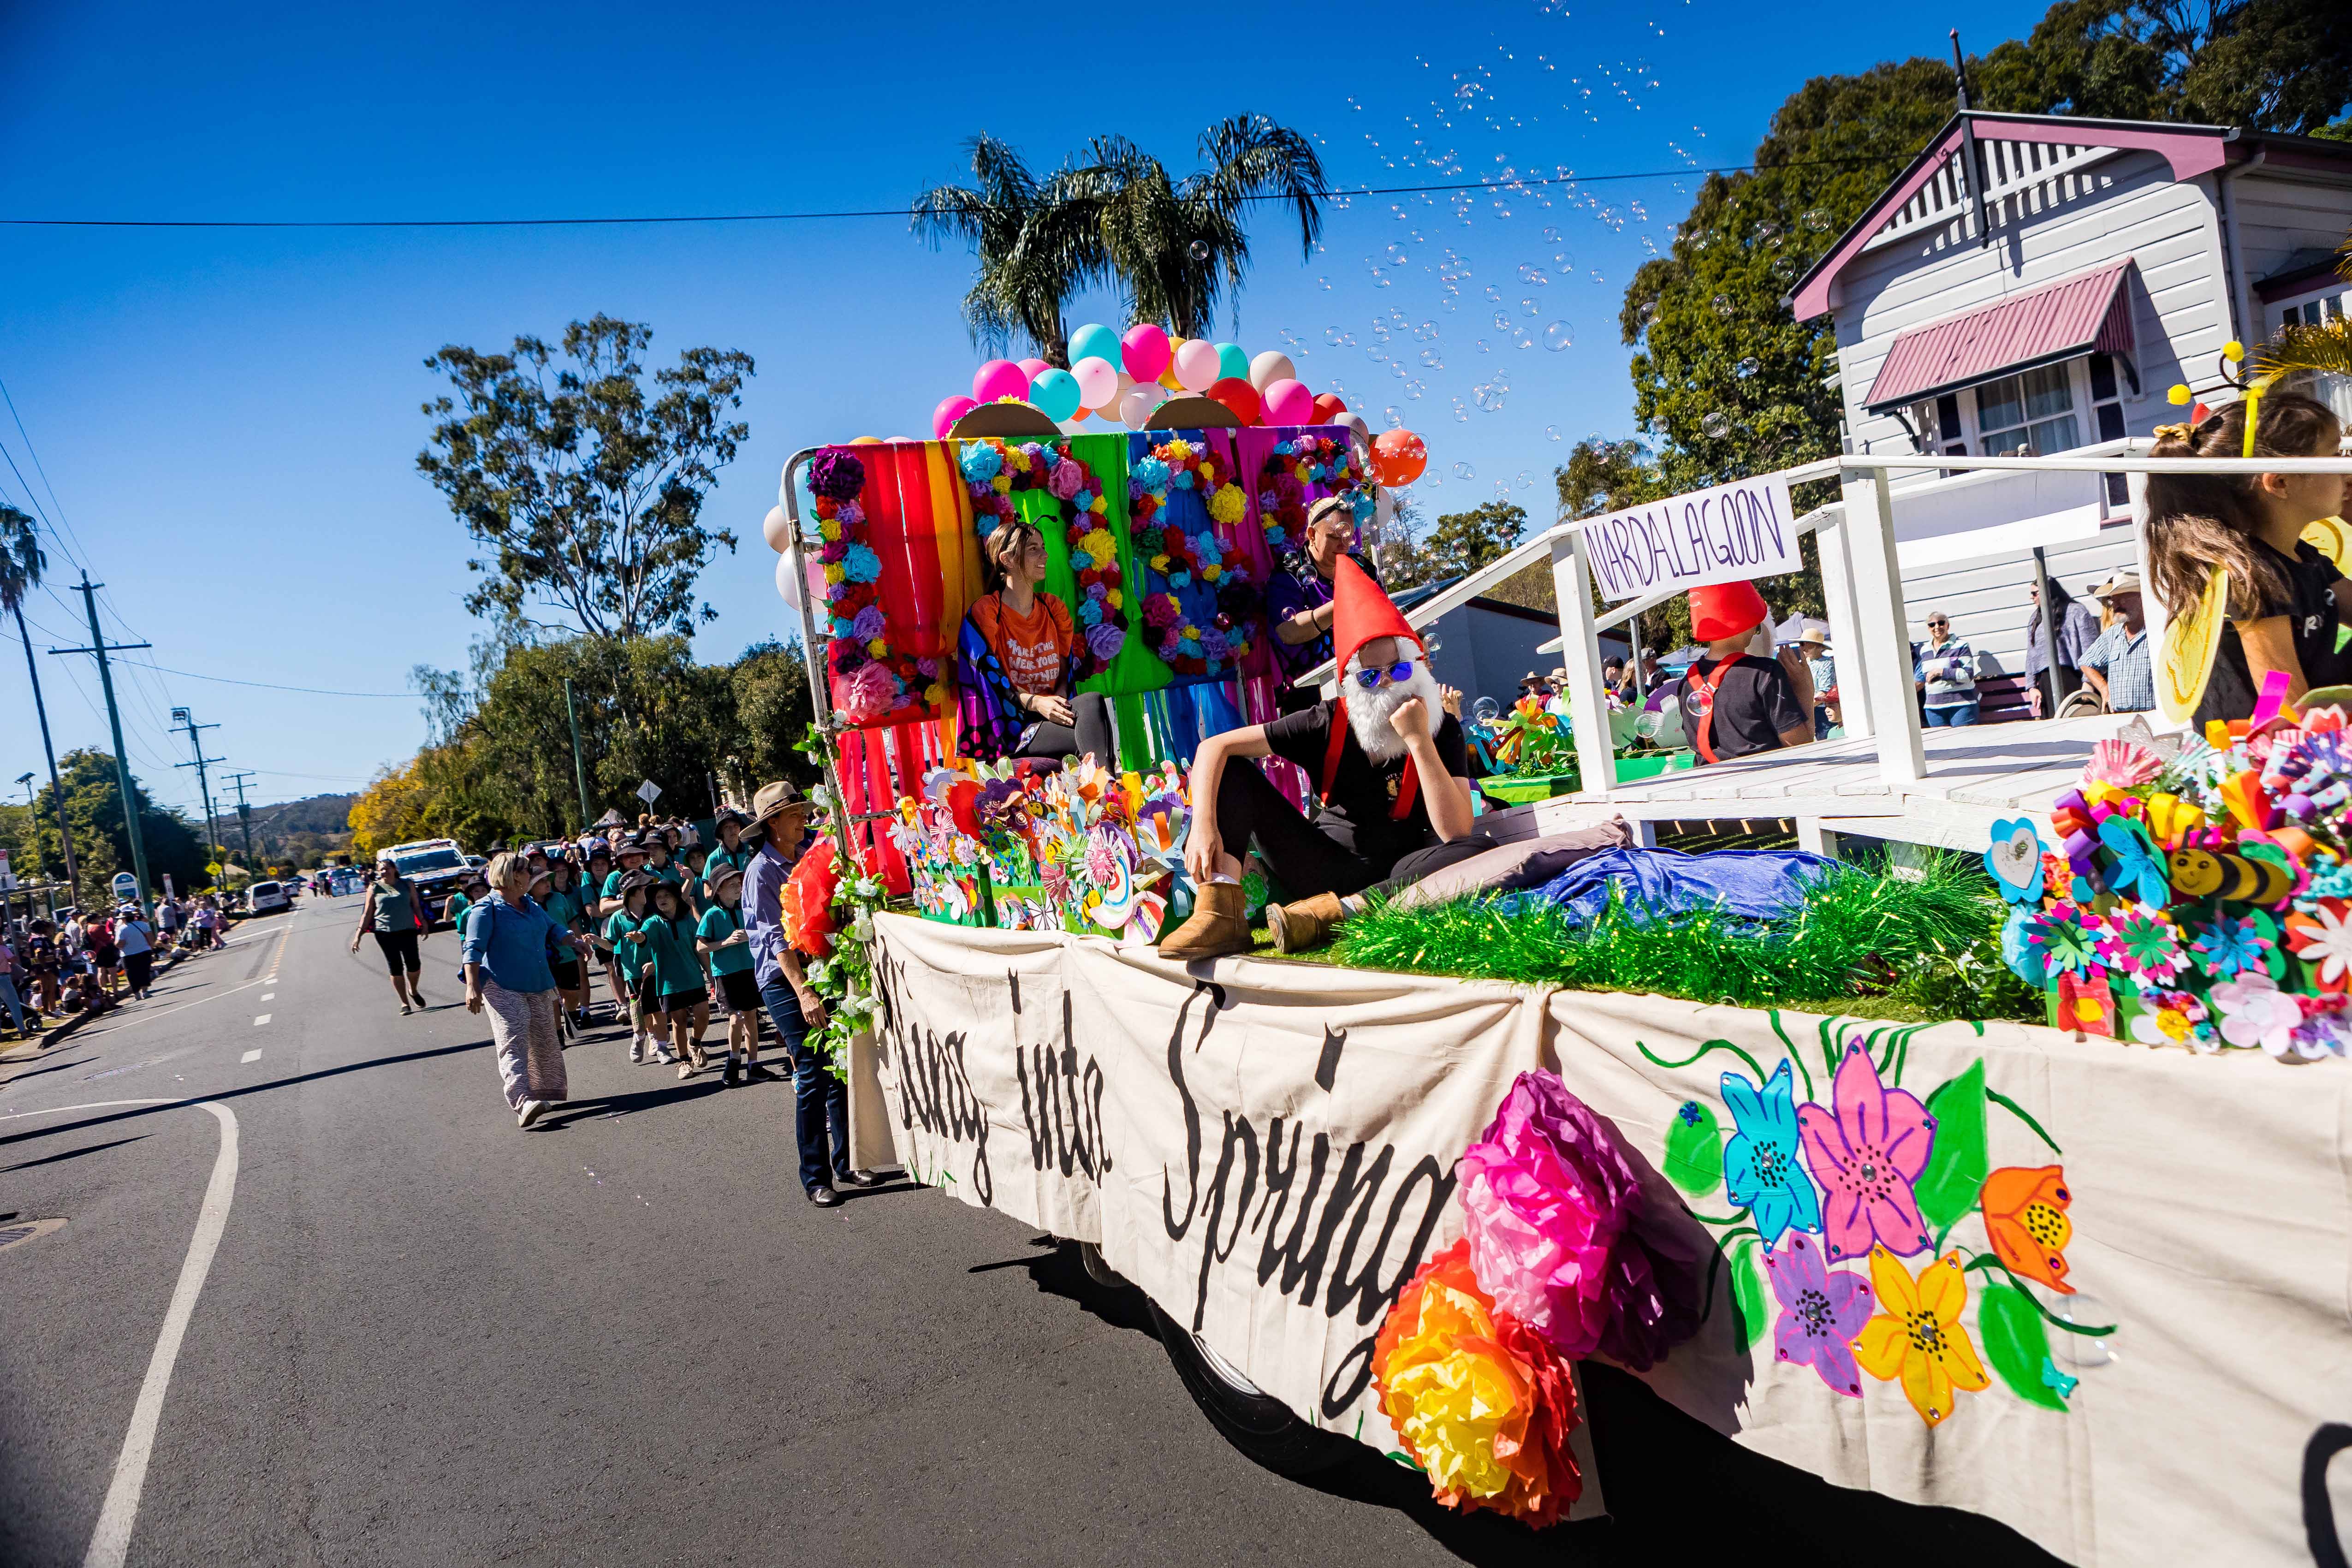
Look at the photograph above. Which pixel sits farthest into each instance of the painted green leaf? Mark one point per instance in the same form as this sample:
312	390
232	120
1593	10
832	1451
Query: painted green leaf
1957	1164
1748	1293
2016	1344
1694	1149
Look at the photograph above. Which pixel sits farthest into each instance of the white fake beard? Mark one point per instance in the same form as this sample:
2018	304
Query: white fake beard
1369	711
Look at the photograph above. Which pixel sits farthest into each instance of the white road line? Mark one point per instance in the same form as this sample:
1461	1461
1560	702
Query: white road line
110	1542
260	1019
250	1057
269	995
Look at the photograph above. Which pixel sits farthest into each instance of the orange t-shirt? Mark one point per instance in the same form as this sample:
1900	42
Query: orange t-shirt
1030	647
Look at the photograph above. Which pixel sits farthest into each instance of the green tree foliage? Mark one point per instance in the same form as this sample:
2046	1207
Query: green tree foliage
586	484
1114	216
1461	542
101	845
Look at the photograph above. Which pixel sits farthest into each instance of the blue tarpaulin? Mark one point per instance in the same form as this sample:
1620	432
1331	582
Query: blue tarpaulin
1757	884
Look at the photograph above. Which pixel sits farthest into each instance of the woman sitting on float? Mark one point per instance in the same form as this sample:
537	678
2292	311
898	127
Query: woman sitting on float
1016	660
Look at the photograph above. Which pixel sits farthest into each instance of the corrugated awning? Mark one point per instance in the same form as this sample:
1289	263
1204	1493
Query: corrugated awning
2088	314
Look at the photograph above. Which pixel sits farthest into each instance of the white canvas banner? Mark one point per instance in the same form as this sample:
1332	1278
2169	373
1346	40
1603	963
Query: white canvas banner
1733	531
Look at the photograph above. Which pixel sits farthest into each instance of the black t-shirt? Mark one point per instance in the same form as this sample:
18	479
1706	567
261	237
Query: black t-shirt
1356	811
2310	603
1754	703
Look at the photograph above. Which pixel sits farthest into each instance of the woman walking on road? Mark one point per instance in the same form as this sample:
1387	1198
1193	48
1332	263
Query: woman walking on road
395	915
509	941
135	937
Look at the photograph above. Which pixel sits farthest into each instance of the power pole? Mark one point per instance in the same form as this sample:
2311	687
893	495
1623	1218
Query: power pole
101	648
579	768
186	721
56	786
244	817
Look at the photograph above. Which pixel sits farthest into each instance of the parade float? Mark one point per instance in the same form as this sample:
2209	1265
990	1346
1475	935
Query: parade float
2083	1275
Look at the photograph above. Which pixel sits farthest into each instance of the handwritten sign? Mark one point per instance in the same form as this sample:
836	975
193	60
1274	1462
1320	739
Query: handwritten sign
1732	531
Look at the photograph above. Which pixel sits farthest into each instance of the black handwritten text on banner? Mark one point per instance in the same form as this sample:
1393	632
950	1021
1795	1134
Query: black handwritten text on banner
1735	531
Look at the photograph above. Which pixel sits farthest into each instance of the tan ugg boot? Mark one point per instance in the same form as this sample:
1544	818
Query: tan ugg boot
1217	928
1305	924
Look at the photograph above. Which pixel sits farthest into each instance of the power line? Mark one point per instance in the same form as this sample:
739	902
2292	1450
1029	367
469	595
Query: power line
265	685
1520	183
69	545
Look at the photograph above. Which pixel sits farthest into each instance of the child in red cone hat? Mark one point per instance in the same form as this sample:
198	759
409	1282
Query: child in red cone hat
1733	702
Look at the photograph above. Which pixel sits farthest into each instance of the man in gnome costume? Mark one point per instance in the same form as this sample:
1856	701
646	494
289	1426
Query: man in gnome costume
1387	762
1735	702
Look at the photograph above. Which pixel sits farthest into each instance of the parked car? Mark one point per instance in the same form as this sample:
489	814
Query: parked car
263	898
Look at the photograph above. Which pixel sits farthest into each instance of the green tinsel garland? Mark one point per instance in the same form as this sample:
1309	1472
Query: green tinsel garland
1927	942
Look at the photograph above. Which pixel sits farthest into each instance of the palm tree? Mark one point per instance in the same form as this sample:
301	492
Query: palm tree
1174	247
21	565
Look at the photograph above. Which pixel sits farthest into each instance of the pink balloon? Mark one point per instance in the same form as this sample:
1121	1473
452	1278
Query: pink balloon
1097	383
949	410
1197	368
1145	350
1288	402
999	378
1033	368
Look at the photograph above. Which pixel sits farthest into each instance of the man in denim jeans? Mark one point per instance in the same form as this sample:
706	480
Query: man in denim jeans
821	1114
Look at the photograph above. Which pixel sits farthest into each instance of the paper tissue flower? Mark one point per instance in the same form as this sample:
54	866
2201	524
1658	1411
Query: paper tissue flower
870	693
1545	1197
2322	940
2125	763
2025	1215
1821	1312
2255	1012
1479	1401
1865	1154
1918	1336
836	475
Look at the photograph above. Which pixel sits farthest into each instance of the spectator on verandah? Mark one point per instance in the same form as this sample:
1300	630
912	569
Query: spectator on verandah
1944	669
2077	630
2117	666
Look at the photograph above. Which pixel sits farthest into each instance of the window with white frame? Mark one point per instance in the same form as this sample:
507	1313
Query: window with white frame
2050	408
2327	300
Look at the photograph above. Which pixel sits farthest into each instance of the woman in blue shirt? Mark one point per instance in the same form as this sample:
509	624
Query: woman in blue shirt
509	941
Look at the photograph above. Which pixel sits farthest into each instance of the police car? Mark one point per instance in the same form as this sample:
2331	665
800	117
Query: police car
434	868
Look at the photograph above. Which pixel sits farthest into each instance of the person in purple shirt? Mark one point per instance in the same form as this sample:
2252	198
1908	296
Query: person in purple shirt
1298	598
821	1113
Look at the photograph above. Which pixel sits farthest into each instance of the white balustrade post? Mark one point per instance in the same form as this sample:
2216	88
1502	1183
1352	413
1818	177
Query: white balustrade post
1845	633
1882	627
1579	655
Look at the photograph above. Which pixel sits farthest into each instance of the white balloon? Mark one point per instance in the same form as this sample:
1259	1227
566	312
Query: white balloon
777	529
1136	404
788	582
1097	383
1384	505
1355	422
1270	367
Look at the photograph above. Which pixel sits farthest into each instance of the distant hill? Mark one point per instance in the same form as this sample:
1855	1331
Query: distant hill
318	814
297	832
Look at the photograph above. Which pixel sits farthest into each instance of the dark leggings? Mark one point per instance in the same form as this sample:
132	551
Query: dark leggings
1090	737
1303	857
399	951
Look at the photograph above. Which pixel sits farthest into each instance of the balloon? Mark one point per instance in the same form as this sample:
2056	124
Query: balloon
1287	402
1081	416
1197	368
1144	350
1168	377
1398	457
1270	367
1238	395
1097	381
999	378
1355	422
1033	367
949	410
1327	408
1137	403
1054	393
788	582
1383	506
1094	341
777	529
866	440
1232	359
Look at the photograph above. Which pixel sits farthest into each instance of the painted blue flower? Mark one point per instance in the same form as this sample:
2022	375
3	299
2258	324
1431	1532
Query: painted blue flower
1761	1167
2138	865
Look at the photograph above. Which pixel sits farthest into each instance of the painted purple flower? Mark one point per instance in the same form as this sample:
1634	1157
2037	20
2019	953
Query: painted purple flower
1865	1157
1821	1312
837	474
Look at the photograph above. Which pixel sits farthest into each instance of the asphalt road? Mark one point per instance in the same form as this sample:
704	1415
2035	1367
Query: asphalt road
624	1337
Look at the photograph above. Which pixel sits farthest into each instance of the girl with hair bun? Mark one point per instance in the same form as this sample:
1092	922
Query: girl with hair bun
2287	599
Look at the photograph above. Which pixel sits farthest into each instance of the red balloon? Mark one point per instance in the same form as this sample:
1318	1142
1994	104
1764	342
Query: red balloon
1398	458
1327	408
1237	395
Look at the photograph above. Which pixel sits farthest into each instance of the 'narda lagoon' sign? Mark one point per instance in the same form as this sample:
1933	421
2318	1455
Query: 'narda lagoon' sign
1735	531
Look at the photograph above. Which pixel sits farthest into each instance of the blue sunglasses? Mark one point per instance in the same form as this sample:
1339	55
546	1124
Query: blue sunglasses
1370	679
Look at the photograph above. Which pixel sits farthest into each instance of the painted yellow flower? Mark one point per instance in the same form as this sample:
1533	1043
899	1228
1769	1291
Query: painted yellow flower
1916	1335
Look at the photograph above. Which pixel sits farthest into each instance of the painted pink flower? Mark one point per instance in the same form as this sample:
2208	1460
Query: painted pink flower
1821	1312
1865	1157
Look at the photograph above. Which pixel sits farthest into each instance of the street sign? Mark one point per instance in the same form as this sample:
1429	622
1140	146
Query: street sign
126	886
650	792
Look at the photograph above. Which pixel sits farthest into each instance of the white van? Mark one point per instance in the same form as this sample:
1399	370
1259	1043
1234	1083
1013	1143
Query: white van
263	897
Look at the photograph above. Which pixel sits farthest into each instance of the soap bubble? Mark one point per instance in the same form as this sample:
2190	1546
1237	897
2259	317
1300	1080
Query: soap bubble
1432	359
1331	336
1551	236
1525	478
1324	282
1199	250
1480	344
1379	278
1558	335
1768	233
1396	254
1534	275
1502	320
1747	367
1552	432
1715	425
1649	310
1724	307
1464	471
1425	332
1529	307
1817	219
1565	260
1522	338
1395	417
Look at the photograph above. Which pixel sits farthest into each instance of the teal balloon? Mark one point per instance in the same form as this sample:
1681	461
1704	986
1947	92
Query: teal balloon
1055	394
1232	359
1094	341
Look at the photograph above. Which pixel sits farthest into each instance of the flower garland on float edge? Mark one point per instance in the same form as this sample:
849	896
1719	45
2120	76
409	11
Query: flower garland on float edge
994	470
1178	560
1291	468
821	905
876	678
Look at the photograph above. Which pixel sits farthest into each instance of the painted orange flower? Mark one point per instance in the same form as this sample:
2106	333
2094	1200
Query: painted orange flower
2025	1215
1918	1336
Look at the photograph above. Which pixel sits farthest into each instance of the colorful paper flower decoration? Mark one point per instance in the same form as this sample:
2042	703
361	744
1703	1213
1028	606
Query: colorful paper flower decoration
2145	946
2230	946
1761	1167
1918	1336
2014	861
1865	1154
1197	596
1822	1310
2322	938
2125	763
2255	1012
2138	866
1481	1402
2086	1006
2025	1215
1298	473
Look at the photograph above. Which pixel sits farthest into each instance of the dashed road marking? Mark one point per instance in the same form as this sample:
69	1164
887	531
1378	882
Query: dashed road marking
260	1019
250	1057
269	996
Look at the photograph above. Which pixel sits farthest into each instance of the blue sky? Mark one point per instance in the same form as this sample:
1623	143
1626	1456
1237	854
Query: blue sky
228	419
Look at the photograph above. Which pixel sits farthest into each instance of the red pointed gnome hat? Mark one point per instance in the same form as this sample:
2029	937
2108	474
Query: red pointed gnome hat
1721	610
1360	612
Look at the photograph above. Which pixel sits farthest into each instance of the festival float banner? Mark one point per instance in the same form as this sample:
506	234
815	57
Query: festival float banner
1732	532
2094	1291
